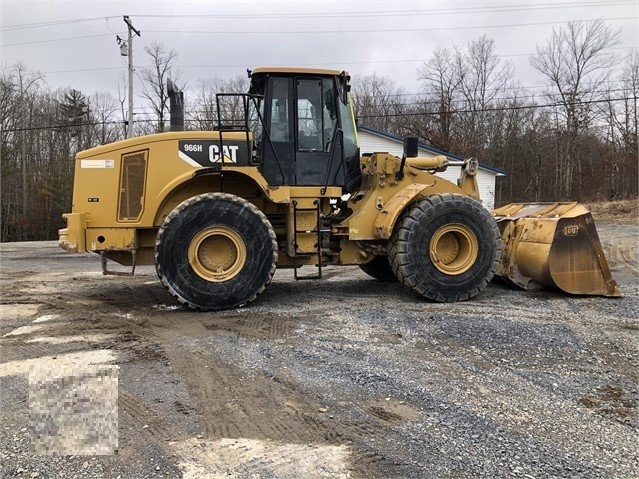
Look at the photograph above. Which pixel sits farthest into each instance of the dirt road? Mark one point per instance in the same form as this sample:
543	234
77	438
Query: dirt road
344	377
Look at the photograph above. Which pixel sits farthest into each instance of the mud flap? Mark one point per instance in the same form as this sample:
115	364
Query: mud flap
554	245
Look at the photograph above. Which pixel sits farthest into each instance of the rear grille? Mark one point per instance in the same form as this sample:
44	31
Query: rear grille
132	181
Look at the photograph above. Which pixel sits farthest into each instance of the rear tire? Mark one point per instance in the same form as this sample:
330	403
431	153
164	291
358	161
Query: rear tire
380	269
215	251
445	247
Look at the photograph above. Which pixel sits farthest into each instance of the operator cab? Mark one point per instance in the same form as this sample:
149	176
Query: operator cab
303	127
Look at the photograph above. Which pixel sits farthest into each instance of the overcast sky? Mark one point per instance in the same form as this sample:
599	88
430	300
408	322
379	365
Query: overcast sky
215	38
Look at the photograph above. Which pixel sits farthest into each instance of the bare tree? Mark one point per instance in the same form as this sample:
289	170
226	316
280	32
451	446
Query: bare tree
377	100
441	86
462	88
122	100
154	81
483	78
104	107
576	61
629	79
202	109
620	170
27	82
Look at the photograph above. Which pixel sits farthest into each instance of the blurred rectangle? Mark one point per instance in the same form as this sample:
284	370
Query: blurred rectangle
73	409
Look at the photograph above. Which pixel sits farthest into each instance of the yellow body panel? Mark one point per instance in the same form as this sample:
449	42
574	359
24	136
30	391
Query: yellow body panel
98	239
95	191
297	70
72	237
386	197
386	218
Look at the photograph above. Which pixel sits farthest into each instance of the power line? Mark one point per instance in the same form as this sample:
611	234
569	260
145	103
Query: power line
510	108
512	87
148	110
75	125
492	100
53	23
298	32
85	70
367	62
56	40
341	63
521	107
529	94
390	30
385	13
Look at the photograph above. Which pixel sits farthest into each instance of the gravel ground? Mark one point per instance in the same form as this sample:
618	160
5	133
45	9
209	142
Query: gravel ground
344	377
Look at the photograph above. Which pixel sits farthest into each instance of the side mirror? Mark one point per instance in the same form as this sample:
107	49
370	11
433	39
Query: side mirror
345	87
411	150
411	147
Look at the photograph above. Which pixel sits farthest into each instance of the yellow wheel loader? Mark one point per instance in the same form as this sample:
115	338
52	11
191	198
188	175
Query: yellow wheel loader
281	184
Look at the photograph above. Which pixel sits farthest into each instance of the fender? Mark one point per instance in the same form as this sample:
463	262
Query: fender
385	221
193	183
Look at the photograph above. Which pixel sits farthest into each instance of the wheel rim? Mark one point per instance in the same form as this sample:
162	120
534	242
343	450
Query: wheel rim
453	249
217	253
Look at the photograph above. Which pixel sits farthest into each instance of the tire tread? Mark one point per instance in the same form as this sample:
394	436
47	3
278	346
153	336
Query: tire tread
399	245
201	199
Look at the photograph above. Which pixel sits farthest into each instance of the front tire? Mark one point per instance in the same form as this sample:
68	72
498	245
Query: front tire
215	251
445	247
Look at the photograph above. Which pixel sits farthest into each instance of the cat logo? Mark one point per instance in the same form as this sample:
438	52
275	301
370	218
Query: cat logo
208	153
571	230
230	153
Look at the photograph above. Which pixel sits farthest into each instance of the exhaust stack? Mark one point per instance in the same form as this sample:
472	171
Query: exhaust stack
176	106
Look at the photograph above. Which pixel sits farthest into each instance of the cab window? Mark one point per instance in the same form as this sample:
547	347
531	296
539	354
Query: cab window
280	130
316	118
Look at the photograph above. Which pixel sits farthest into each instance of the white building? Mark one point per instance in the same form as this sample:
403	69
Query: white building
372	140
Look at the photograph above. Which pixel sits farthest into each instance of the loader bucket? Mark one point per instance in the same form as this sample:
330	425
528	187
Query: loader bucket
554	245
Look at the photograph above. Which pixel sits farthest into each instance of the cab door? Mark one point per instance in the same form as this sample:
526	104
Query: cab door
318	138
278	145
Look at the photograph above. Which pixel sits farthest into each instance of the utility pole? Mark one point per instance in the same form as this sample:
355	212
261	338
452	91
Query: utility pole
132	30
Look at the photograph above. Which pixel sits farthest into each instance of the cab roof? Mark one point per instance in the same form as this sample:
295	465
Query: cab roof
300	70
